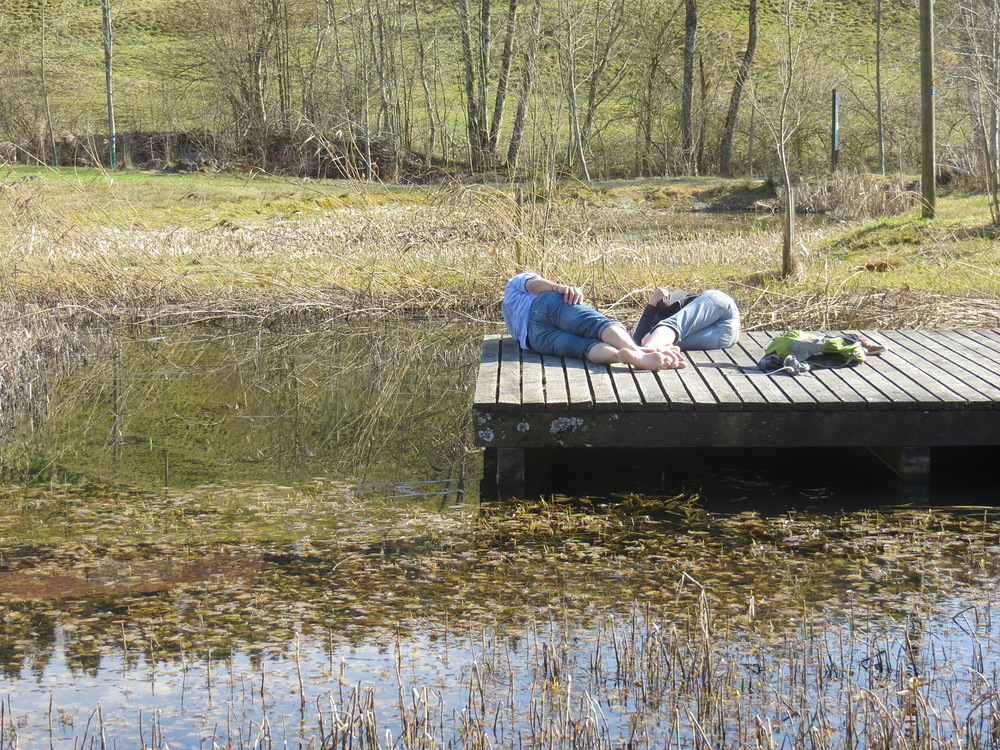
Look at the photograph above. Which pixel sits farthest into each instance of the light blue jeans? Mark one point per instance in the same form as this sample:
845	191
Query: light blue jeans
712	321
564	330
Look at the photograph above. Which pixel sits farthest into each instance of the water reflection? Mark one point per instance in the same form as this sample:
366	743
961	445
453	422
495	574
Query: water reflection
279	542
626	681
182	410
526	625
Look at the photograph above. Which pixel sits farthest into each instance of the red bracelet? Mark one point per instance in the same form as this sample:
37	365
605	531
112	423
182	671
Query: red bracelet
554	287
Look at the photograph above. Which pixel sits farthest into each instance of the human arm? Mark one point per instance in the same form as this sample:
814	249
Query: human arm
649	318
652	314
539	284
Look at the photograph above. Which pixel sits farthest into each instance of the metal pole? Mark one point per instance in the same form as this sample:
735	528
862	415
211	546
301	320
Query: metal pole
835	132
112	135
928	157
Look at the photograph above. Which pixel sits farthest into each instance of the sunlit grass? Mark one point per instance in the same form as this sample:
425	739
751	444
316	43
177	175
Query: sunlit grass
88	248
956	254
89	198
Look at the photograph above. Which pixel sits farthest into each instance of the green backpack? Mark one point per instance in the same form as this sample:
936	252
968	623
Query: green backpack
796	351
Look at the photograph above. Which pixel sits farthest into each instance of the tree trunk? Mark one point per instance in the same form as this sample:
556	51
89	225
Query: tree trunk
425	85
527	83
503	81
482	128
687	89
483	68
279	12
474	116
645	118
789	266
729	129
601	53
879	115
928	156
45	91
576	136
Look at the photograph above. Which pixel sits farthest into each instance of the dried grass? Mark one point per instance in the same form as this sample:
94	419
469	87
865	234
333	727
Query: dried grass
445	262
898	308
27	345
853	196
448	256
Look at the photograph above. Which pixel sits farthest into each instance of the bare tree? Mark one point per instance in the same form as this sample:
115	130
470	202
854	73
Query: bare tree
742	74
592	65
106	39
980	31
582	77
687	88
782	118
425	84
239	49
651	84
49	129
606	66
928	126
481	72
528	70
568	48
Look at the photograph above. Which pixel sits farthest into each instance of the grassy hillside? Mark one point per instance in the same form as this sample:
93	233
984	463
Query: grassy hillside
152	75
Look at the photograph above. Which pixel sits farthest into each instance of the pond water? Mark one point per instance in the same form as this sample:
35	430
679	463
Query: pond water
276	540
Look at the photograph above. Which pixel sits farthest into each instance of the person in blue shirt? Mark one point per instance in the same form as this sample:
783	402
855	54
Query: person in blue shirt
550	318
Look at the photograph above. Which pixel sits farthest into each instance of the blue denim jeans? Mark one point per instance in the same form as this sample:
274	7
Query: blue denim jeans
712	321
564	330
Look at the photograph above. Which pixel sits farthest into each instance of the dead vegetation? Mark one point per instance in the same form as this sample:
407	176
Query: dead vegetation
451	260
305	255
541	624
855	196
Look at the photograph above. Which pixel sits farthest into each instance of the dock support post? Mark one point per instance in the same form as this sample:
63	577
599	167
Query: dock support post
488	484
510	472
912	464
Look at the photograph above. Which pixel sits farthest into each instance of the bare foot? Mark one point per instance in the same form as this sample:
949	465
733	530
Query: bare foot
661	338
650	360
651	344
672	353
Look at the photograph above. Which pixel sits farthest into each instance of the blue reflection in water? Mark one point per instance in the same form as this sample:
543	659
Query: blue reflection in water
609	683
183	413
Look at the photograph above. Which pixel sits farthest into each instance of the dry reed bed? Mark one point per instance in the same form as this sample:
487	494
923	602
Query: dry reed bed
437	260
445	259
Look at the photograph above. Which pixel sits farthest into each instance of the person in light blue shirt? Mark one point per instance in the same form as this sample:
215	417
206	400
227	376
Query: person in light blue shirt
550	318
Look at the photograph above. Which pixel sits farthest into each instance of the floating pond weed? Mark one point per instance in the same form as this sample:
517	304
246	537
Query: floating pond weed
245	534
542	622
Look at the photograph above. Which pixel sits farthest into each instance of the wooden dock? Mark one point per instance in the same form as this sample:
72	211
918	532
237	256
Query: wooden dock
931	388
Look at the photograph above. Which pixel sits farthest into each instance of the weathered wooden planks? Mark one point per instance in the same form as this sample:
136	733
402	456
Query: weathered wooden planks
930	388
921	370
